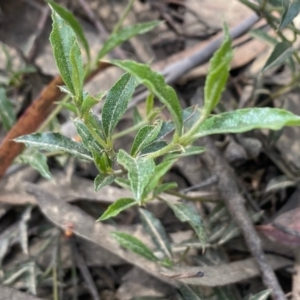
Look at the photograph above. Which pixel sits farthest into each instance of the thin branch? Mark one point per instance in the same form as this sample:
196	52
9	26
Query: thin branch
234	201
84	270
123	17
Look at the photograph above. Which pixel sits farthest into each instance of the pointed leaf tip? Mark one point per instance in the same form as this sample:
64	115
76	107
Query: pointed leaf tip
156	84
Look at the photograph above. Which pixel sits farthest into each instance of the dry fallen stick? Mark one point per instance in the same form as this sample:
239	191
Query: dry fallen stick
228	190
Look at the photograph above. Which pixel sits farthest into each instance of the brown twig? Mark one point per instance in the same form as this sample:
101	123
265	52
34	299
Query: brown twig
229	191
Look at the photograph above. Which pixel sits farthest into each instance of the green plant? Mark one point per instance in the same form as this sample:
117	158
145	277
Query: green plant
283	45
140	170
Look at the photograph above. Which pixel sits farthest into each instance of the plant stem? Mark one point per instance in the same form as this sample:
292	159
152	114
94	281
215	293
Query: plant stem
188	137
234	201
94	133
163	151
123	17
282	90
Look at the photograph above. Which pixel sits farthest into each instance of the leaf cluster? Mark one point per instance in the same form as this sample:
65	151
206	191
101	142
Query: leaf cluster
140	170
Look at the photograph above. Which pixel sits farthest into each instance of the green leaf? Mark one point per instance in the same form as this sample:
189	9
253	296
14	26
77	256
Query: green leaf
164	187
96	123
123	182
7	113
264	295
116	103
135	245
69	18
65	89
102	162
124	35
166	262
185	212
246	119
144	137
102	180
218	71
187	114
292	64
159	172
139	169
192	150
115	208
88	140
89	102
155	146
156	84
77	74
157	232
38	161
291	10
149	104
62	39
50	141
280	54
166	128
137	118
